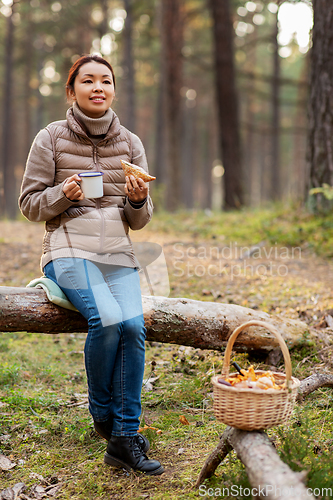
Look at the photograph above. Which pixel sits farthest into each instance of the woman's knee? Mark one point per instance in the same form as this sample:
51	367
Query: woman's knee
135	328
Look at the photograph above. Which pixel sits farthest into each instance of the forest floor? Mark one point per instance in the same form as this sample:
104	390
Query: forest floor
258	260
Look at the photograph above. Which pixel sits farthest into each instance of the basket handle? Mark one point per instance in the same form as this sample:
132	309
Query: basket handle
271	329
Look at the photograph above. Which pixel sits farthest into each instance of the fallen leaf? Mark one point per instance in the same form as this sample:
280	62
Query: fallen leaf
183	420
23	497
329	320
34	475
12	493
37	491
5	463
53	490
148	384
180	451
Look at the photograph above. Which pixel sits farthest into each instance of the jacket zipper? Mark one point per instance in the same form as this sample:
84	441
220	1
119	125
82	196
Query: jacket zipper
98	204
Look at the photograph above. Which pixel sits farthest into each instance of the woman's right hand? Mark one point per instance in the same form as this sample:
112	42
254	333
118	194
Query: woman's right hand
72	188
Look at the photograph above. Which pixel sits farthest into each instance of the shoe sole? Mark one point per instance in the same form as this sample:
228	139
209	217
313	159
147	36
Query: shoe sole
115	462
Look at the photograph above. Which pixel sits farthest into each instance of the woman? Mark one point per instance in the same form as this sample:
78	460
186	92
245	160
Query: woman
88	253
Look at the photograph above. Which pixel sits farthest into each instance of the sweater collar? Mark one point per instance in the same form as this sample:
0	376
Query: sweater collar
94	126
83	125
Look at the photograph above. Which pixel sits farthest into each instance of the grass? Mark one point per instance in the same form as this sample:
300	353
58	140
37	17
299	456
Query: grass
284	225
45	427
45	432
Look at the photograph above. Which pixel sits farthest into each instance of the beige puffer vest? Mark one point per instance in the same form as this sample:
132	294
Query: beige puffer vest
97	226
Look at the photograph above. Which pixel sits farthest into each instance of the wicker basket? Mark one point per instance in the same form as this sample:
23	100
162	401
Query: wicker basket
254	409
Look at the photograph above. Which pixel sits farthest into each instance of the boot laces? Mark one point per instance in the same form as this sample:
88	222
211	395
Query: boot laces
136	448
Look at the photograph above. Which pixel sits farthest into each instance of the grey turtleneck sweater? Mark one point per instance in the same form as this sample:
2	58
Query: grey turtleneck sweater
95	127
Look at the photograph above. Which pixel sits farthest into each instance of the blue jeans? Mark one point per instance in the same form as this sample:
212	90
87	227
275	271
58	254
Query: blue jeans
109	297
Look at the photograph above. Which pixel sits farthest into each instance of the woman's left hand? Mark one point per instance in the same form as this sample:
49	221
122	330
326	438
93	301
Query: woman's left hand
136	189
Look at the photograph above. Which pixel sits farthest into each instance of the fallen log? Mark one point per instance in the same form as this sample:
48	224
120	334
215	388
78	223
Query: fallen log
205	325
266	471
315	381
269	477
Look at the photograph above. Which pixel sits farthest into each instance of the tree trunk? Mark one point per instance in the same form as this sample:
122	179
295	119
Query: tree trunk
188	157
172	39
210	152
205	325
40	122
320	138
160	136
103	28
227	104
159	170
206	141
275	187
299	177
128	67
9	203
28	94
251	175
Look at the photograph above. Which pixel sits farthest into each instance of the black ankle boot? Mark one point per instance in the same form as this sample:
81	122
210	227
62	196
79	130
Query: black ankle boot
104	429
125	452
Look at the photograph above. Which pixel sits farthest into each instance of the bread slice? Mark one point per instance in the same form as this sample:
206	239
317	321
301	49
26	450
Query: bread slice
138	172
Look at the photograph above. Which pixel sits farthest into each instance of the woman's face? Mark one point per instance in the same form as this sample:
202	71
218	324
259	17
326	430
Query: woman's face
94	89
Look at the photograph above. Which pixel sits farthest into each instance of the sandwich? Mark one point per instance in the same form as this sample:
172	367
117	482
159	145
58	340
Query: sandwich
138	172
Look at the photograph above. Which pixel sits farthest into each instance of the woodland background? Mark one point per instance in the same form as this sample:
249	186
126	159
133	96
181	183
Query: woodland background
232	114
221	102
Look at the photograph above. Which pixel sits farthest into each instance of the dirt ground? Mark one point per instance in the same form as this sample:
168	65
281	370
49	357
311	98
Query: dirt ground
212	269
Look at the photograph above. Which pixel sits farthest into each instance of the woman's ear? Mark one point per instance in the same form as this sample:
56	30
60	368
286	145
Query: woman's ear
70	94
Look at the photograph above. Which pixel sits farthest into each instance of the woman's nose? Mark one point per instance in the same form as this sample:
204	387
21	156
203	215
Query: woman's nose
98	87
